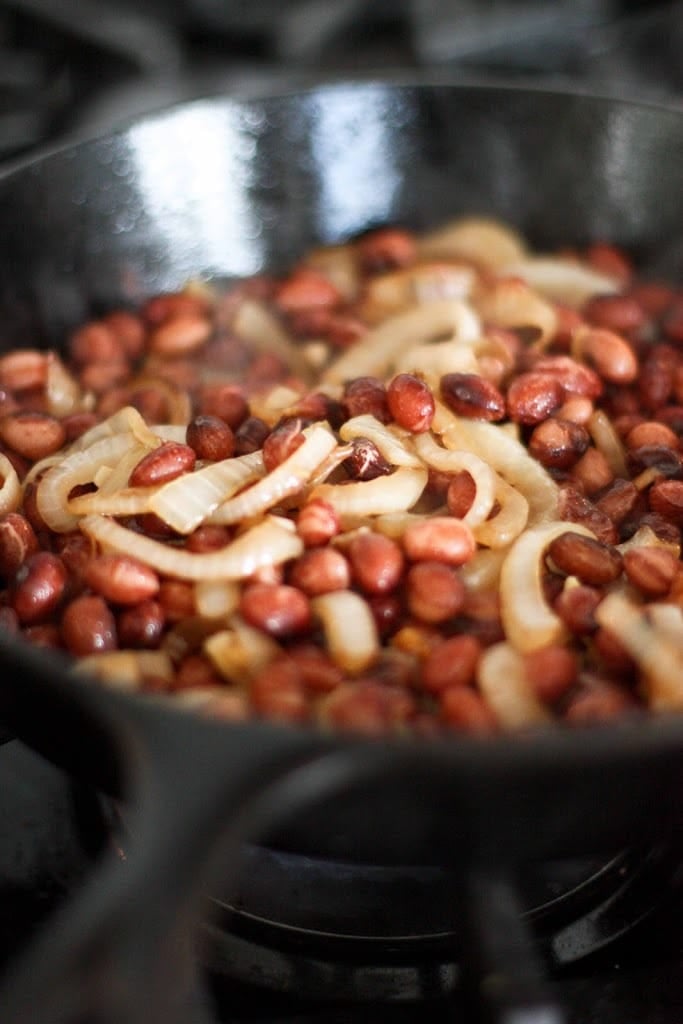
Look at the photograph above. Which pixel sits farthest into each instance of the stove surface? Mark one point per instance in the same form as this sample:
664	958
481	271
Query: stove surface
51	833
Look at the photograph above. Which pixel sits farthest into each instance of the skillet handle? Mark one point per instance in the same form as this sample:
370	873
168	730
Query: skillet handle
123	950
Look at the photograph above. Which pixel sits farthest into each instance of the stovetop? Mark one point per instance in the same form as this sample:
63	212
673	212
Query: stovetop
52	834
79	68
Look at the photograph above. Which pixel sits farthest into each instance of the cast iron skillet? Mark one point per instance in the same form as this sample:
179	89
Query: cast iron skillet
223	188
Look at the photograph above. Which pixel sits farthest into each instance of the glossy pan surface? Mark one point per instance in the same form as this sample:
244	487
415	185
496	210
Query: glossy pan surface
222	188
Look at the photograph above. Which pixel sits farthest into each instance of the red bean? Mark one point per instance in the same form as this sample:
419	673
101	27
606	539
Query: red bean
440	539
38	587
532	397
411	403
122	579
141	625
320	571
434	592
163	464
376	562
210	438
18	542
470	395
276	609
317	522
88	626
450	663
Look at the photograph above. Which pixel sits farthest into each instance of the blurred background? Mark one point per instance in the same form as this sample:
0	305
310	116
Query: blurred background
80	67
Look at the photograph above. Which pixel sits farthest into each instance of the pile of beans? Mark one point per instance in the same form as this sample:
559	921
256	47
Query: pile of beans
178	351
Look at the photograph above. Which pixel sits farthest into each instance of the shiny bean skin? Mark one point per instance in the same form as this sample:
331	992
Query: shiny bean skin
532	397
38	587
279	692
368	707
88	626
121	579
411	403
592	562
465	710
317	522
551	671
450	663
32	435
321	571
163	464
433	591
376	563
280	610
210	438
140	626
651	570
18	542
439	539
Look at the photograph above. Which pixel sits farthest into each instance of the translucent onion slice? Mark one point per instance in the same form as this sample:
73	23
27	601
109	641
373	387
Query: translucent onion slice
256	325
185	502
126	420
504	454
216	599
446	461
668	620
395	493
178	402
117	477
350	630
482	240
658	655
267	543
383	345
645	537
78	467
500	530
562	280
62	391
510	302
339	264
287	479
241	652
395	448
10	492
419	284
503	682
129	501
607	441
271	406
433	361
482	572
393	525
171	432
528	620
126	670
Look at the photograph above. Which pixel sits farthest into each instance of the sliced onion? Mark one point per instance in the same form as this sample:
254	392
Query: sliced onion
500	530
216	599
503	682
271	406
562	280
339	264
62	390
129	501
645	537
433	361
350	630
482	572
658	655
117	477
78	467
287	479
383	346
394	447
448	461
393	525
505	455
394	493
241	652
178	402
10	492
267	543
126	420
419	285
171	432
528	620
511	303
607	441
482	240
126	669
188	500
256	325
667	619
